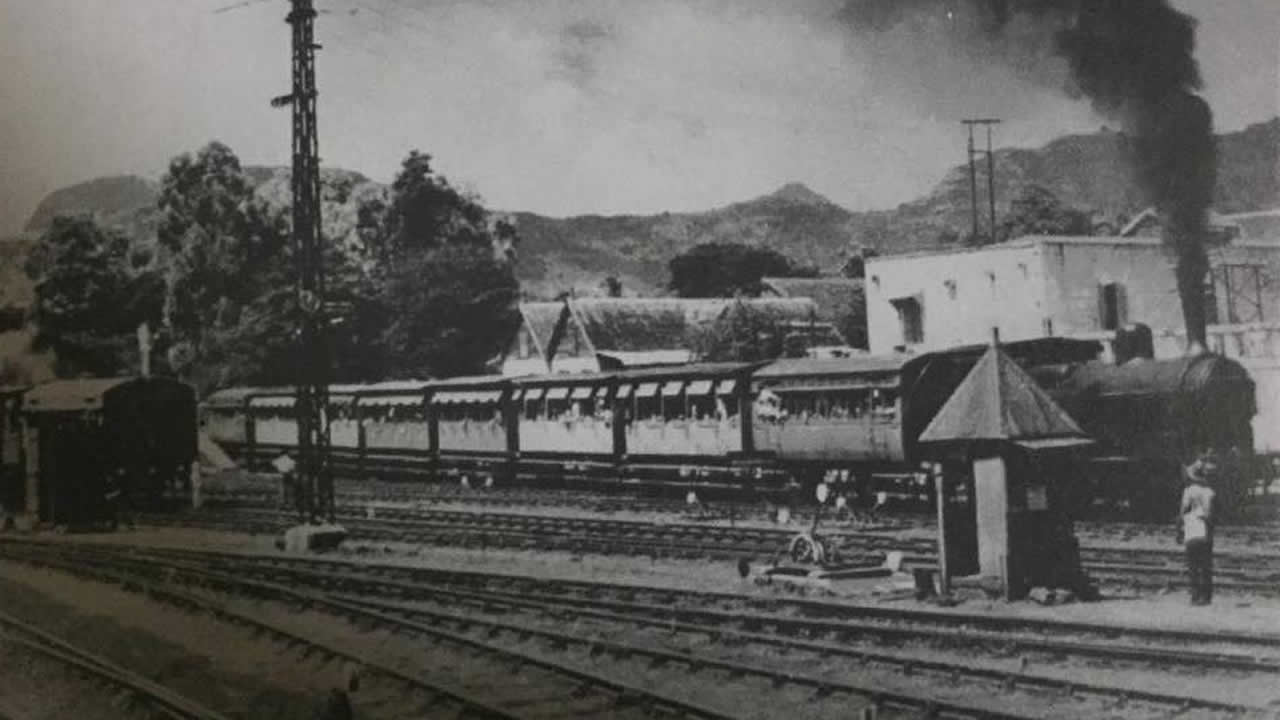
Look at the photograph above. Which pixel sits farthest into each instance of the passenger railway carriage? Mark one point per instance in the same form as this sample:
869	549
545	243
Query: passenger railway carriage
749	425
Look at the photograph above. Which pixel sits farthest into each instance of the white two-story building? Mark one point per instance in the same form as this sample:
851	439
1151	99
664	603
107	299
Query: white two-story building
1082	287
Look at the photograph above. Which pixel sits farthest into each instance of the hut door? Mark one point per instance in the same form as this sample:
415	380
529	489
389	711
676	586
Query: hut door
962	531
992	503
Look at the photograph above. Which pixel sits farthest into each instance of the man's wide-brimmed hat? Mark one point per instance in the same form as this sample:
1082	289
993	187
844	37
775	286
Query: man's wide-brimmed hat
284	464
1196	472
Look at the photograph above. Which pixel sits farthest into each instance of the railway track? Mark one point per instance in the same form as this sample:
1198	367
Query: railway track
548	689
1009	657
626	498
526	499
1255	573
163	700
501	645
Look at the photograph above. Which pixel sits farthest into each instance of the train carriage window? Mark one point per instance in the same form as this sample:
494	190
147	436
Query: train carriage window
726	398
700	401
673	400
581	404
884	404
647	402
846	404
533	403
557	403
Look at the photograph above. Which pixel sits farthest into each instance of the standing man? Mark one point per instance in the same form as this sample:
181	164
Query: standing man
1195	526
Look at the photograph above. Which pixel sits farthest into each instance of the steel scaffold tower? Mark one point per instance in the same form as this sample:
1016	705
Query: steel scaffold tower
315	474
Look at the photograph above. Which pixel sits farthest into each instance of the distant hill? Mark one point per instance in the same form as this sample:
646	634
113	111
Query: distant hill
112	199
558	254
1091	172
579	252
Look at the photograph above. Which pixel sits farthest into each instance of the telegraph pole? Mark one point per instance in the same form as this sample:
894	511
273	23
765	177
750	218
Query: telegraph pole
312	404
973	183
991	178
971	123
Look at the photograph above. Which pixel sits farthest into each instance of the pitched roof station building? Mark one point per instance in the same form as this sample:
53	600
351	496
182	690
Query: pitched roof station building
593	334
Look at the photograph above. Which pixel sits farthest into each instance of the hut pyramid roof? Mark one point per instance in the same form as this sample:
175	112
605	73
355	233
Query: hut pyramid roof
999	401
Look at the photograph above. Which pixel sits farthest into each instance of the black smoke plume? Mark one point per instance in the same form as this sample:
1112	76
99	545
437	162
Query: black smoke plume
1135	62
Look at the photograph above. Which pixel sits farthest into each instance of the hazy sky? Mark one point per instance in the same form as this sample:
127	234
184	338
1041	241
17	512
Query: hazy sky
556	106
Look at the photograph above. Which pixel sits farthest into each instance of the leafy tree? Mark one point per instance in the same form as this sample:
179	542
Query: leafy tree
224	249
90	298
423	212
453	308
855	266
742	333
1037	211
725	270
439	290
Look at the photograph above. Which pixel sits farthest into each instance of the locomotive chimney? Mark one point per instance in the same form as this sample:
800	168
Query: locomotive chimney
1133	342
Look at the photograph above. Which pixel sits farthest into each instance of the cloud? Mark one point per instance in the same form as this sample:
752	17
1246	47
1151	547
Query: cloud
558	106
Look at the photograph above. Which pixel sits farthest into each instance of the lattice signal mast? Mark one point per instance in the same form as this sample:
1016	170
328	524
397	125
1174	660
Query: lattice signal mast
315	473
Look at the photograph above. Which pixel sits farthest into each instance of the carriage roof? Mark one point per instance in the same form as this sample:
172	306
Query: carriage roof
87	393
808	367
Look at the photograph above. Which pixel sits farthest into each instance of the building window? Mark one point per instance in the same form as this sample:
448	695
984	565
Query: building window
1242	288
911	317
1111	306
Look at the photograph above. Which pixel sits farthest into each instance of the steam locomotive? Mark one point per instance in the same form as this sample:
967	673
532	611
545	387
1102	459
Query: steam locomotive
754	426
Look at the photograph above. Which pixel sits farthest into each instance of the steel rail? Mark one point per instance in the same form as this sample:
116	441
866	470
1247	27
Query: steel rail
808	606
644	538
383	614
683	619
929	626
623	694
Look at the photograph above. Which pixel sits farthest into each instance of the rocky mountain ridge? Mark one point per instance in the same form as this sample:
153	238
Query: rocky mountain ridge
1089	171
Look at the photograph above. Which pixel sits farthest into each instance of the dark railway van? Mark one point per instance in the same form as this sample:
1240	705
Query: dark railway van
86	436
12	450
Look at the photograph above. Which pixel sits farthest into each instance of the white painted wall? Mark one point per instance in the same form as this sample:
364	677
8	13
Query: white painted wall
1037	285
965	294
1024	286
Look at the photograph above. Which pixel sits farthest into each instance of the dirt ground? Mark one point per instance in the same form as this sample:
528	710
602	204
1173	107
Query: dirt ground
194	655
252	677
1168	610
33	687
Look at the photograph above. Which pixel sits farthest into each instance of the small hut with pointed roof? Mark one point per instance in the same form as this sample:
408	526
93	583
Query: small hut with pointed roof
1016	441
